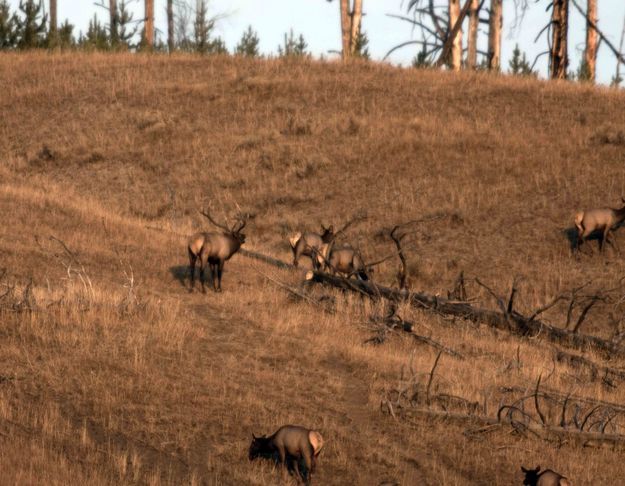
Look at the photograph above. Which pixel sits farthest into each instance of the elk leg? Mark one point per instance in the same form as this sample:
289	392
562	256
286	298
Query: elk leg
220	271
295	463
202	267
211	267
192	260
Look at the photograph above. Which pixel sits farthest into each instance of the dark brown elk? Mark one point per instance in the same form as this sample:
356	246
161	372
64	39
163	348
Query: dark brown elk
604	220
533	477
290	444
309	243
214	248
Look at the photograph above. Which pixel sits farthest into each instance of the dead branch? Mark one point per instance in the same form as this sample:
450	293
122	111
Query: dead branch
498	299
593	300
427	390
401	276
547	306
540	414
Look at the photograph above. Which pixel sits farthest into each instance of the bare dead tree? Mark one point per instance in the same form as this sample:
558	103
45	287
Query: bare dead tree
590	53
113	23
351	20
494	35
53	20
171	39
149	23
474	18
558	54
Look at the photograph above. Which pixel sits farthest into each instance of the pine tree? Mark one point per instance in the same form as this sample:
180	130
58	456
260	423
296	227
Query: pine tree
293	46
125	31
202	28
8	26
31	26
248	45
66	35
519	65
96	36
361	49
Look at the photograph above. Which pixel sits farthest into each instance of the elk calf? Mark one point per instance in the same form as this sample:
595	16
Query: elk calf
546	478
604	220
214	248
308	244
292	444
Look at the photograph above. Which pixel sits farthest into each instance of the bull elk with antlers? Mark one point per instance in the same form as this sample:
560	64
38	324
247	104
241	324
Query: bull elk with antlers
214	248
604	220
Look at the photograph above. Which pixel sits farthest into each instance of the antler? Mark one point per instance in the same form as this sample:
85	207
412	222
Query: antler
206	214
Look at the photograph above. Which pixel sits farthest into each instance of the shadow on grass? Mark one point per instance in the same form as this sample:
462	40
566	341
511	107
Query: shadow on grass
180	273
571	234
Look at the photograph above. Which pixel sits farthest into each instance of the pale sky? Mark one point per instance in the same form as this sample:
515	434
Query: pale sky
318	21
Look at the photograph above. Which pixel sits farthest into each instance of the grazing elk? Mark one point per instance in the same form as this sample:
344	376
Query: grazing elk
546	478
291	444
214	248
604	220
346	261
309	243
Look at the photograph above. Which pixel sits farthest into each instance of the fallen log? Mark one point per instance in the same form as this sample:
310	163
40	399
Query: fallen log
583	438
264	258
512	322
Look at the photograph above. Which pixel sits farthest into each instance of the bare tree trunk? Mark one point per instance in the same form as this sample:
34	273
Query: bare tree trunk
356	19
114	22
171	43
590	55
149	23
472	40
618	61
456	50
558	57
494	35
345	29
53	18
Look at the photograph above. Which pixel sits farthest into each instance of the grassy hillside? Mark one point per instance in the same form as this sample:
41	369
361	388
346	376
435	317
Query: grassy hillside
113	373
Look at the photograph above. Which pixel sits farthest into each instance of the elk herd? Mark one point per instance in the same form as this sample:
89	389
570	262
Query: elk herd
296	447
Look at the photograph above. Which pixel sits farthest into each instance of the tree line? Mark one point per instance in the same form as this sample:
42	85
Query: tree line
440	23
189	29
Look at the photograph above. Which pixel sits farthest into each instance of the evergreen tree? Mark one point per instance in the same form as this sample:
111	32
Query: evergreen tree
96	36
202	28
362	46
519	65
293	46
31	25
583	71
248	45
125	32
65	35
8	26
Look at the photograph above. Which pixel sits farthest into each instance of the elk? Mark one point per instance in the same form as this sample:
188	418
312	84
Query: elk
291	444
214	248
604	220
309	243
345	261
546	478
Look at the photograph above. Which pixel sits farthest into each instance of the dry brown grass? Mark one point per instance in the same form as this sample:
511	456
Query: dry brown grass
137	381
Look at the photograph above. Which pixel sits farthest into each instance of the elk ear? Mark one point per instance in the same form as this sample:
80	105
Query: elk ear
254	437
524	470
537	468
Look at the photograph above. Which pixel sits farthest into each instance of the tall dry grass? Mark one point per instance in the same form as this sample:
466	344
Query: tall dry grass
112	373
